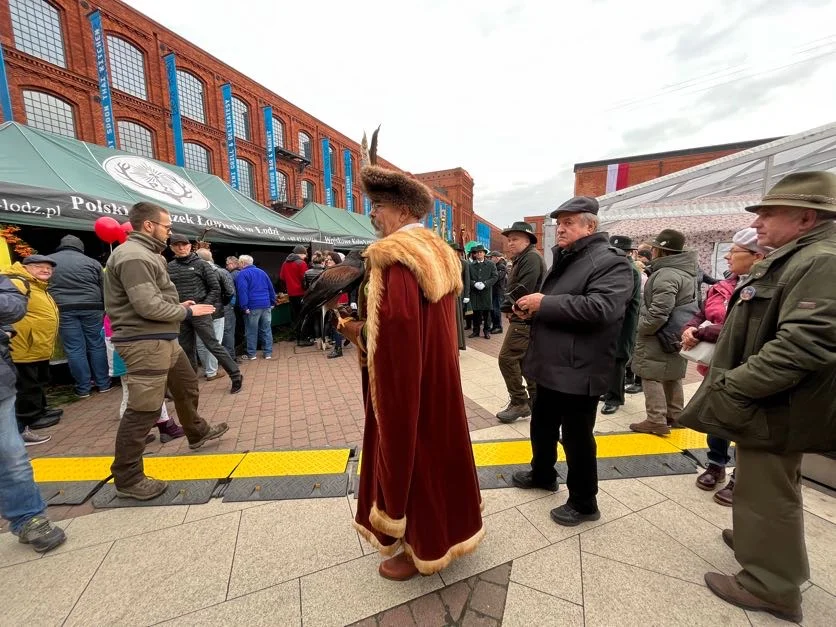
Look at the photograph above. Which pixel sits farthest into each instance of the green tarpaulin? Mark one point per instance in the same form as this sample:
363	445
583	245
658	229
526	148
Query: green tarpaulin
52	181
331	221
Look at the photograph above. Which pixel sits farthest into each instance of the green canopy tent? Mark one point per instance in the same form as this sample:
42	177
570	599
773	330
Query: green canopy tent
48	180
336	226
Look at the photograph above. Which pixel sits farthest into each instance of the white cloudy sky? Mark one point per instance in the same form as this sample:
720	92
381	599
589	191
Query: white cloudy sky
516	92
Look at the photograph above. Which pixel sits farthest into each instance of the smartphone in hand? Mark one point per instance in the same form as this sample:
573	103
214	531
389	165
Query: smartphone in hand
516	292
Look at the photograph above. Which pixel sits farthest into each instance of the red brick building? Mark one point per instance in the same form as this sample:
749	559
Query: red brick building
53	82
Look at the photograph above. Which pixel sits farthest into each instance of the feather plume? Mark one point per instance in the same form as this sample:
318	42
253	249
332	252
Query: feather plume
364	152
373	149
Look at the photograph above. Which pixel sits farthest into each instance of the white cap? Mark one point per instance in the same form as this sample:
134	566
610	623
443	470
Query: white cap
748	239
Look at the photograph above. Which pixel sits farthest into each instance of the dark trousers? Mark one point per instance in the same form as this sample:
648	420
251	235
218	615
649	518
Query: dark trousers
615	393
203	328
573	417
153	365
295	309
496	315
718	450
229	330
632	378
481	319
32	379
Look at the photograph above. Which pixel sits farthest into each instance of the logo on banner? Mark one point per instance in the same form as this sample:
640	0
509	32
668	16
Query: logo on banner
153	180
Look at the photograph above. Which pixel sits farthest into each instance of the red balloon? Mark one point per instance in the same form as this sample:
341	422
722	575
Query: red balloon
107	229
127	227
121	236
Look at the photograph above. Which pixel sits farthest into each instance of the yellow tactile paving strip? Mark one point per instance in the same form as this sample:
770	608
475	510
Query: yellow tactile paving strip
335	461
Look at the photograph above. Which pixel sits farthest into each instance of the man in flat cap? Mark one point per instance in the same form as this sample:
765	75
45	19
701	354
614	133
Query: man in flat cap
527	273
614	398
418	486
770	389
670	294
576	320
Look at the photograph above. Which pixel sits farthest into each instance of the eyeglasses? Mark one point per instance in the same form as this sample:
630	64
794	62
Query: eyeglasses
167	227
740	251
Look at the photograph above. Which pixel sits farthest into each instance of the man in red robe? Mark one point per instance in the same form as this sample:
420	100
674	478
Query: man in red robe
418	486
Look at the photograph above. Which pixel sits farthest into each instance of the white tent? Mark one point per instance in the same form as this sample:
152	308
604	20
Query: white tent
707	201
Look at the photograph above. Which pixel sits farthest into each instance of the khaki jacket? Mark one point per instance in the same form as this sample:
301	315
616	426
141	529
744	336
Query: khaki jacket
772	381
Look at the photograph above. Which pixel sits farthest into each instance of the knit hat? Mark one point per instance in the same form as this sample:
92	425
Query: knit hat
299	250
748	239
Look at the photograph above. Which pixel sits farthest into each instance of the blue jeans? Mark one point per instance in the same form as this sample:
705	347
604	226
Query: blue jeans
20	499
718	451
209	361
83	338
229	330
259	327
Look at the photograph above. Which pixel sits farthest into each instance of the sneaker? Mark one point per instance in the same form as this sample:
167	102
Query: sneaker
147	489
252	357
220	374
41	534
106	390
268	357
170	430
31	439
513	412
83	394
214	433
646	426
237	384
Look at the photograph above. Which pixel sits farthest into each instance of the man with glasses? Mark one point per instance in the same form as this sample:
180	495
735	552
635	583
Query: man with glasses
145	314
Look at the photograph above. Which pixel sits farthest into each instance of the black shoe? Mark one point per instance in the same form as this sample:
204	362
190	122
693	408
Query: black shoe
568	516
45	421
633	389
524	479
53	412
496	331
487	335
337	352
473	335
237	384
610	407
305	343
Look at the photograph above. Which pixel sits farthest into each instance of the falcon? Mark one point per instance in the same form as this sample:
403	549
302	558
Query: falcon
330	285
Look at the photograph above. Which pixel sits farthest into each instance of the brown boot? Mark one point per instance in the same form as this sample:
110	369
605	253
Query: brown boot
711	478
725	496
646	426
727	588
398	568
728	538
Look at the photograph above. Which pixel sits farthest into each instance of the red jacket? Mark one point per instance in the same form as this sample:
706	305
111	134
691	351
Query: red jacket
293	274
714	311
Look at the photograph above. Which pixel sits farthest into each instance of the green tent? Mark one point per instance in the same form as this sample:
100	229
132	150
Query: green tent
333	223
52	181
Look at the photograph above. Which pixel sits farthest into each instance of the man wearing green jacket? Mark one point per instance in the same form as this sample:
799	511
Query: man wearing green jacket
770	390
527	275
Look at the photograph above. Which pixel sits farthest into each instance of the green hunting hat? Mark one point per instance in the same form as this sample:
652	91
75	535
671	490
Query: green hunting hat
806	190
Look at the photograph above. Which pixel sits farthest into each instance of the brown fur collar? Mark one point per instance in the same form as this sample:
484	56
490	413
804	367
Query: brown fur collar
433	262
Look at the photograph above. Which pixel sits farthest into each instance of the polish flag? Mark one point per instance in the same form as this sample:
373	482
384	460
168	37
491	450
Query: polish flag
617	176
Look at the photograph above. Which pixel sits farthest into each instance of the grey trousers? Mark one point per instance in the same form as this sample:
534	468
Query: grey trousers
663	400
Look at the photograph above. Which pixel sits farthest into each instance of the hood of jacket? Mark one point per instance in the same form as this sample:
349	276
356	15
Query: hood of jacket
685	262
71	242
293	257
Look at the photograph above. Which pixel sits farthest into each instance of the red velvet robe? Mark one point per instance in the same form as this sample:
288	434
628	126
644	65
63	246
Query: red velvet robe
418	483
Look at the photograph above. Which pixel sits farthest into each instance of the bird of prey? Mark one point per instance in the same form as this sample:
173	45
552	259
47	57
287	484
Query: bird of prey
330	285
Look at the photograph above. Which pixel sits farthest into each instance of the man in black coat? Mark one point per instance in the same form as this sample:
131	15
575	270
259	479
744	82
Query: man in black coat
614	398
483	275
576	321
197	282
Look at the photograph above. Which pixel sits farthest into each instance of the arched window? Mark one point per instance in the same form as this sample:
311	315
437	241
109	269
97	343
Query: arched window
308	191
196	157
305	145
37	30
246	182
127	66
241	118
190	91
48	113
278	133
281	180
354	206
135	138
335	198
335	161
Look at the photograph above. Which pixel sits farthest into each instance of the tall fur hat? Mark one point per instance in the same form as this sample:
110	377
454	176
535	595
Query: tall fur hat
384	185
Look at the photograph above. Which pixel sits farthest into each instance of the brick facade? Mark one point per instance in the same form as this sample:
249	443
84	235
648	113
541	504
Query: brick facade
77	84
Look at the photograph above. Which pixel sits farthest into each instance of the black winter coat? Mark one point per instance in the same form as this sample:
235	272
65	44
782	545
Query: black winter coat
485	272
574	335
195	279
78	281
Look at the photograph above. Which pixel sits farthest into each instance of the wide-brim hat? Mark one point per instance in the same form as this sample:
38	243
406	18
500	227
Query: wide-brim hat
805	190
670	240
522	227
578	204
478	249
384	185
623	242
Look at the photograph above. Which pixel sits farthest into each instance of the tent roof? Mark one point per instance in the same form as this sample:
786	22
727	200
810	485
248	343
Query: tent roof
725	185
53	181
331	220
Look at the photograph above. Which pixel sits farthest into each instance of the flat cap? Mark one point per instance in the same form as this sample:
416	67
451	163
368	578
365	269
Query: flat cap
578	204
177	238
38	259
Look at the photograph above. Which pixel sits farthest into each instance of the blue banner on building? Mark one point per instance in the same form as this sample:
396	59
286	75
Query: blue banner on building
450	223
272	176
437	216
483	234
5	96
104	78
367	205
349	181
326	172
231	154
174	103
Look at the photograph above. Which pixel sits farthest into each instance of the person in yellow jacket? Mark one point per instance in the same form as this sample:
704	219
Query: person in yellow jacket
32	345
